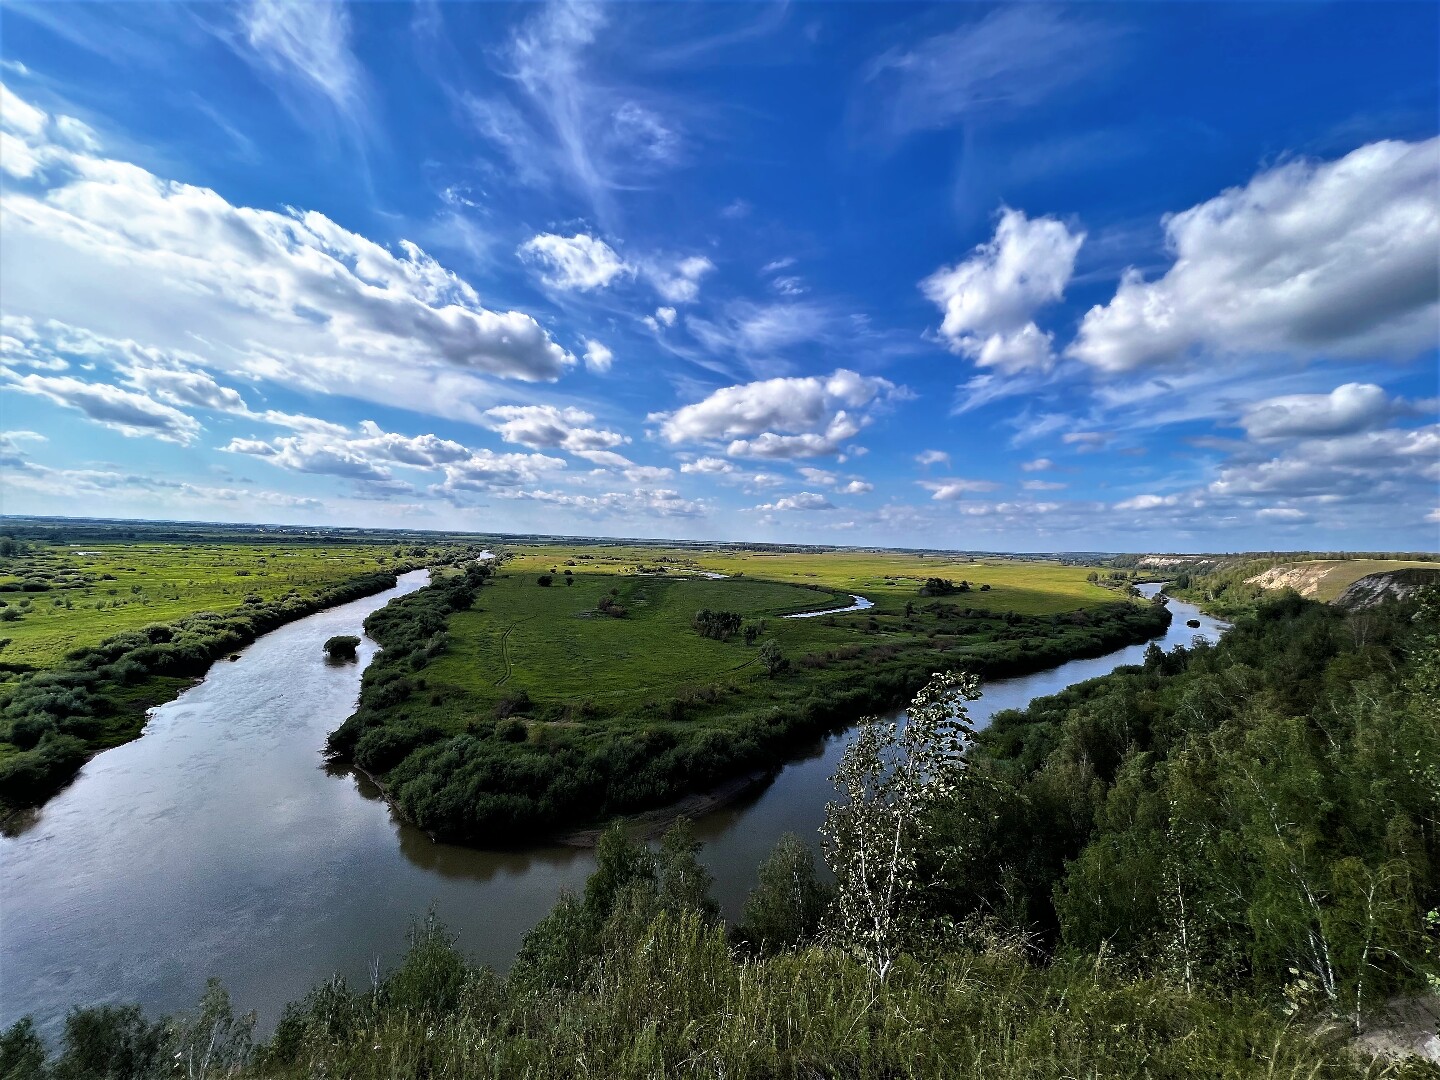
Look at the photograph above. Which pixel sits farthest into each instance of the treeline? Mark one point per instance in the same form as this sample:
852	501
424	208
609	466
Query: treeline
1263	813
524	772
57	720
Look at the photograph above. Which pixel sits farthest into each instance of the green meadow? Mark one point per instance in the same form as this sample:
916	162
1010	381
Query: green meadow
64	598
578	682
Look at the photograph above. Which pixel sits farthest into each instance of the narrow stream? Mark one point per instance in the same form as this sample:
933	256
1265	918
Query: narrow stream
219	844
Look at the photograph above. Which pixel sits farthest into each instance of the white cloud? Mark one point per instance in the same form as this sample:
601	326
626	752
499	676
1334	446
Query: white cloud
1038	465
779	418
665	315
1042	485
1346	409
1012	58
1147	502
1390	464
708	466
589	132
546	427
306	47
1331	259
952	489
749	329
822	477
597	357
654	502
121	410
855	487
579	262
1282	513
932	457
805	500
991	298
485	471
1086	441
288	296
678	280
365	457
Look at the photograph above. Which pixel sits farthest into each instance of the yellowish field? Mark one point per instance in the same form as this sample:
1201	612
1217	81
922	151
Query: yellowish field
887	578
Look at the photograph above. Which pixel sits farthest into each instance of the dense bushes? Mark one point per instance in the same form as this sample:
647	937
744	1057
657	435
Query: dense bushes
58	719
720	625
1265	810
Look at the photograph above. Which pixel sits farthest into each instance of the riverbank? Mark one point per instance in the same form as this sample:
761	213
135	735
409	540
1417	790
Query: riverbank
102	695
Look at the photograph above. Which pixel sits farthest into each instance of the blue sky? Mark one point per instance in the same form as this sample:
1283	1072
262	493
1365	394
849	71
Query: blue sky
1026	277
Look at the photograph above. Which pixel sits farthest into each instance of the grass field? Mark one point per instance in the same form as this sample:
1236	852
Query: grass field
1345	574
554	646
887	578
499	710
94	591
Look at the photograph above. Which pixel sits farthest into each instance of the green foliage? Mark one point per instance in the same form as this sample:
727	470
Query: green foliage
720	625
785	909
1264	810
342	646
627	714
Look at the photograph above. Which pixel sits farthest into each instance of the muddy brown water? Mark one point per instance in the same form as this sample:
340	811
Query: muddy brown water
219	844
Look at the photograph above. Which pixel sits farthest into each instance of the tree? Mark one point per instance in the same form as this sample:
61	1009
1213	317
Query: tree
773	659
544	581
786	907
342	647
893	778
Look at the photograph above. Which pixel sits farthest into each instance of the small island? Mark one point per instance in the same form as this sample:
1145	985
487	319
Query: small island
342	647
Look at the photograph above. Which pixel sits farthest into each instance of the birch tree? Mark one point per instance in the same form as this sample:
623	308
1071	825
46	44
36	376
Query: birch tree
891	778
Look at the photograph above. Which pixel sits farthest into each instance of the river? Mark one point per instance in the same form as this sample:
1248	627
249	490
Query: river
220	844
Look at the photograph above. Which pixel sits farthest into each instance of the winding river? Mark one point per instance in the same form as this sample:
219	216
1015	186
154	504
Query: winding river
220	844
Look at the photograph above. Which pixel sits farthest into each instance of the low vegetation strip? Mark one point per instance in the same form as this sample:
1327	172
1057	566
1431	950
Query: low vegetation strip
502	710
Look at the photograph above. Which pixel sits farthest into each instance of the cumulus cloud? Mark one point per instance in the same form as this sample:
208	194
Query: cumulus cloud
805	500
290	296
1346	409
932	457
1042	485
654	502
1387	463
677	280
365	456
991	298
580	262
855	487
130	413
597	357
547	427
708	466
1147	502
1331	259
780	418
1037	465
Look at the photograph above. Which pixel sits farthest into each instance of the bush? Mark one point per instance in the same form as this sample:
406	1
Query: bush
342	647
